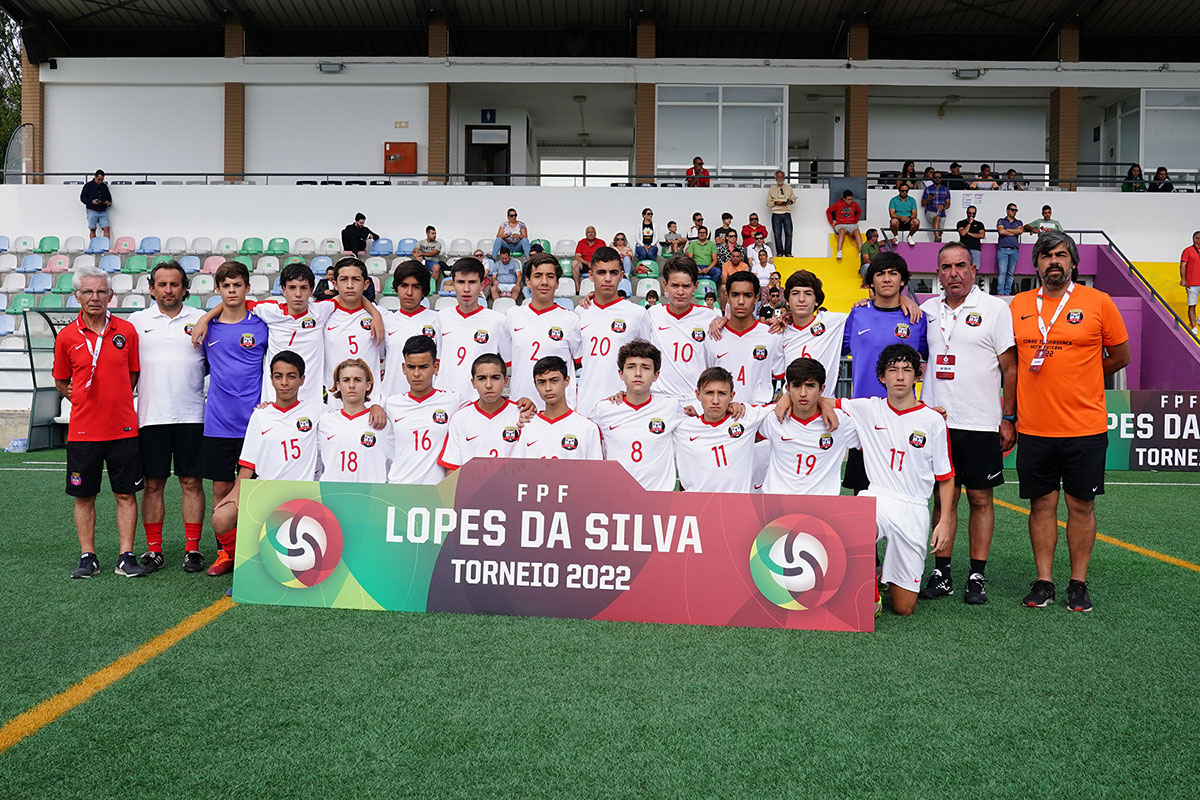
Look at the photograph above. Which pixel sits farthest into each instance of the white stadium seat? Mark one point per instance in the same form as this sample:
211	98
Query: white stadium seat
122	283
8	262
646	284
564	248
376	265
133	301
304	246
565	289
587	286
503	304
267	265
390	303
143	285
460	247
260	284
14	283
201	246
226	246
23	244
330	247
85	260
175	246
203	284
73	245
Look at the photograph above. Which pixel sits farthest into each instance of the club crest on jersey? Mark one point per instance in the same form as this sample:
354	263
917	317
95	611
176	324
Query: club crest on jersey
657	426
304	424
441	417
618	326
917	438
481	337
368	440
736	430
427	331
818	328
698	334
308	322
188	328
76	479
511	434
902	330
826	441
760	353
555	334
974	320
247	340
365	323
569	442
1074	316
119	342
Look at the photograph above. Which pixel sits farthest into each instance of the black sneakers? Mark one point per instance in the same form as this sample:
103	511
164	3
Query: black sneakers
976	590
1078	598
152	562
128	567
1041	594
938	584
89	565
193	561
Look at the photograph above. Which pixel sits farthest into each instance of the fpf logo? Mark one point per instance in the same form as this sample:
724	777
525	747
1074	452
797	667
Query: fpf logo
300	543
797	562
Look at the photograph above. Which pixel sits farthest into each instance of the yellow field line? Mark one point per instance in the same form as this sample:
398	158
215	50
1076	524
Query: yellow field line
1133	548
48	710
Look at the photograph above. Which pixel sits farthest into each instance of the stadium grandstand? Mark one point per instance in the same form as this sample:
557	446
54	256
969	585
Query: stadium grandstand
254	131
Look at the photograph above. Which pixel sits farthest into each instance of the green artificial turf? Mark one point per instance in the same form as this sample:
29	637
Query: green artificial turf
996	701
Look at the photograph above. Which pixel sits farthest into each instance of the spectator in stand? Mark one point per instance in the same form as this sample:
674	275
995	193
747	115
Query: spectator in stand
512	234
1134	182
751	228
651	298
1011	182
955	180
902	211
868	250
844	215
1161	182
697	222
355	236
621	245
326	287
1189	278
1008	247
781	198
760	244
764	268
697	175
488	264
429	250
935	200
726	228
1045	223
735	263
908	175
710	300
970	234
674	242
927	178
585	248
647	248
506	276
985	181
97	199
774	281
704	253
726	245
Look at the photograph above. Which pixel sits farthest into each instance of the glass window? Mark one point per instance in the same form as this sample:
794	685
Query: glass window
1165	98
566	168
684	132
1171	137
734	129
753	94
749	135
603	171
688	94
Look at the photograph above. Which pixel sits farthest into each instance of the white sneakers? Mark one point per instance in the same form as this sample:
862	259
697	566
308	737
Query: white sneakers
839	253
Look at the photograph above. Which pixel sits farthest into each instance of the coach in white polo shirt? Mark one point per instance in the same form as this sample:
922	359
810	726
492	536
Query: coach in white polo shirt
170	411
972	357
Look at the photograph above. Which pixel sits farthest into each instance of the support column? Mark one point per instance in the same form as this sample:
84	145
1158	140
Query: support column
644	162
438	148
235	108
858	99
1063	119
32	111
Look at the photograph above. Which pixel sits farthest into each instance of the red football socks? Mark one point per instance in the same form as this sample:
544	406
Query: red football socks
228	540
153	536
191	532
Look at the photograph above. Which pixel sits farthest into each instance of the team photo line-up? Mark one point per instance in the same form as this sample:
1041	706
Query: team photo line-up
709	399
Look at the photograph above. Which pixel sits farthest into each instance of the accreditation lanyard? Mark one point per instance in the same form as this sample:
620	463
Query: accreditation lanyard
944	363
94	349
1044	351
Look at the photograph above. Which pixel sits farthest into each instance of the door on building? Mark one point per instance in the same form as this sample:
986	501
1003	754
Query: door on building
488	153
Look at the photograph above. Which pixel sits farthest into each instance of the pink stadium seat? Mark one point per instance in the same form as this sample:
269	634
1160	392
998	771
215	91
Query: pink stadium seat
124	244
211	264
58	263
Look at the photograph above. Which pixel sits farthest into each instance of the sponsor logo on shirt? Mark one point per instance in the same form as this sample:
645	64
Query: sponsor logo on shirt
917	438
555	334
427	331
618	326
698	334
657	426
368	440
511	434
308	322
365	323
826	441
974	320
818	328
760	353
441	417
902	330
247	340
481	337
736	430
569	442
76	479
304	424
1074	316
119	341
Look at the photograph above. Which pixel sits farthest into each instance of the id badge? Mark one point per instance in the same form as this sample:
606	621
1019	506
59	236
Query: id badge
1039	357
944	367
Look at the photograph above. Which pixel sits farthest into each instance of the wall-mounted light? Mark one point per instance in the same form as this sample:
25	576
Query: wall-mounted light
330	66
967	74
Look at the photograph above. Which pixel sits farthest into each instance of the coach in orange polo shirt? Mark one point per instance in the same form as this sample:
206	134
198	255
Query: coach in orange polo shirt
1069	338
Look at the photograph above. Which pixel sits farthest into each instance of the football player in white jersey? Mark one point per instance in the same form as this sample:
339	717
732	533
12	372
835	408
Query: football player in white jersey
906	452
746	346
540	327
714	452
348	331
491	426
813	332
420	417
410	281
557	431
606	323
351	450
281	444
805	456
679	329
469	330
637	430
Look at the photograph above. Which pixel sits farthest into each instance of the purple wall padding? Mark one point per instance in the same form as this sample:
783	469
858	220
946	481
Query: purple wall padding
922	257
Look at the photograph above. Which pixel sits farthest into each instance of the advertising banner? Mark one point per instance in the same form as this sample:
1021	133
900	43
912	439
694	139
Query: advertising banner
555	538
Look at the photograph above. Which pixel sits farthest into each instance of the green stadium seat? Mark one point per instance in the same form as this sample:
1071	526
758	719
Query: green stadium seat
545	243
48	244
243	259
252	246
20	302
278	246
160	258
651	267
51	301
193	301
706	285
64	284
135	265
294	260
568	266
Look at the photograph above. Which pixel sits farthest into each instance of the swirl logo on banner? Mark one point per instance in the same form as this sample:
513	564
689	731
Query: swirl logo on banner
797	562
300	543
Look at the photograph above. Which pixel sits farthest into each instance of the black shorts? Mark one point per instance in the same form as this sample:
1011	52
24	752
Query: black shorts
856	473
1076	461
86	462
182	443
977	458
220	457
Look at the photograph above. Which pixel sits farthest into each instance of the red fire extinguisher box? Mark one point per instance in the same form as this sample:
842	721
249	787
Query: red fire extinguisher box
400	158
